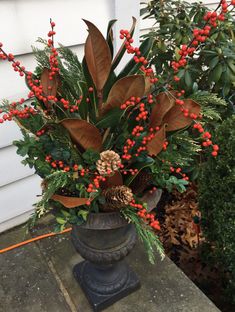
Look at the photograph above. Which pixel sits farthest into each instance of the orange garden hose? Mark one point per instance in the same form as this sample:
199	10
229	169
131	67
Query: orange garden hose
33	240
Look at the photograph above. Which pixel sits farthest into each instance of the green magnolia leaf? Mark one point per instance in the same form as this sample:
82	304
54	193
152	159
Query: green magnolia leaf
111	119
188	79
109	36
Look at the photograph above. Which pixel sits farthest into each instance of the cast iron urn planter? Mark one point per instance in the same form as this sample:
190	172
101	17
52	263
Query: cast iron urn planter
104	241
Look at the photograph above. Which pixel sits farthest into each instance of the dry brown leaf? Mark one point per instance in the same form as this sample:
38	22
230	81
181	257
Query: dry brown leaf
164	102
98	56
123	89
49	87
155	146
83	133
70	202
175	118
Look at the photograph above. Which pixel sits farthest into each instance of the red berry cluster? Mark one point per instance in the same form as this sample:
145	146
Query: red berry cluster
126	149
148	218
199	36
92	187
132	102
130	171
124	34
178	170
15	64
206	137
22	113
53	56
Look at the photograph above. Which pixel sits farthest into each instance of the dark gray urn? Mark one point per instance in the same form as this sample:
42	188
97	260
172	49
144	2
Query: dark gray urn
104	241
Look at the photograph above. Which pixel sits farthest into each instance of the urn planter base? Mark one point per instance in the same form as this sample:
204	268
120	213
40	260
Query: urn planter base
104	285
104	240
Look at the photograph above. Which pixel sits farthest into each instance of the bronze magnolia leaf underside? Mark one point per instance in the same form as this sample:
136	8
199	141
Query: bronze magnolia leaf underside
164	102
155	146
98	56
83	133
123	89
70	202
49	87
175	118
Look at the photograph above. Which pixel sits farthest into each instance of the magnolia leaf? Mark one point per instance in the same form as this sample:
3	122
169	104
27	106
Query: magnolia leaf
70	202
109	36
123	89
155	146
83	133
98	56
148	85
122	49
175	118
49	86
164	102
114	180
151	199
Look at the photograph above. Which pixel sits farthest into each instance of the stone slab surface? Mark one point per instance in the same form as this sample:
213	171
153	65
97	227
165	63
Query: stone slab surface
26	283
165	288
38	278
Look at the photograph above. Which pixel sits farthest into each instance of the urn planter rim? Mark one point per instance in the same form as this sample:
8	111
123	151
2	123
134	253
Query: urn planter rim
103	221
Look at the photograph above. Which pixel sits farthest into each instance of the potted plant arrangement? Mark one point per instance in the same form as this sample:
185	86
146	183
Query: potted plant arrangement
97	138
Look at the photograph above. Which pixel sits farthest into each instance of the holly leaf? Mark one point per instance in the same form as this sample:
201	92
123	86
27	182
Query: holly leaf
98	56
83	133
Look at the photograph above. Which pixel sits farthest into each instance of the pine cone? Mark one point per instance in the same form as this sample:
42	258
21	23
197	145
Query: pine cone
141	182
117	197
108	163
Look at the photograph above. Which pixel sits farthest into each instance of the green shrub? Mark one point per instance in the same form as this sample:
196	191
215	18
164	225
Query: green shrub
217	203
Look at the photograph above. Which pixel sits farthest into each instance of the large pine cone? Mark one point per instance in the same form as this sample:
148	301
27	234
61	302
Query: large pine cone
117	197
108	163
141	182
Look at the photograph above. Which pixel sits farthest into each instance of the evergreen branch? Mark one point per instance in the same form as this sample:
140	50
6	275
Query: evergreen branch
146	234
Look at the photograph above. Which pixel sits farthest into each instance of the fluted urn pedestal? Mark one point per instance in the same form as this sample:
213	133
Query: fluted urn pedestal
104	241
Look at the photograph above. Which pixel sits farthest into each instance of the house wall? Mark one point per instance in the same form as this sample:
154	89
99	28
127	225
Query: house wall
147	24
22	22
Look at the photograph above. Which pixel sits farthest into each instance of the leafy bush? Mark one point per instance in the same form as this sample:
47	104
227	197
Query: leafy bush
212	66
217	203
